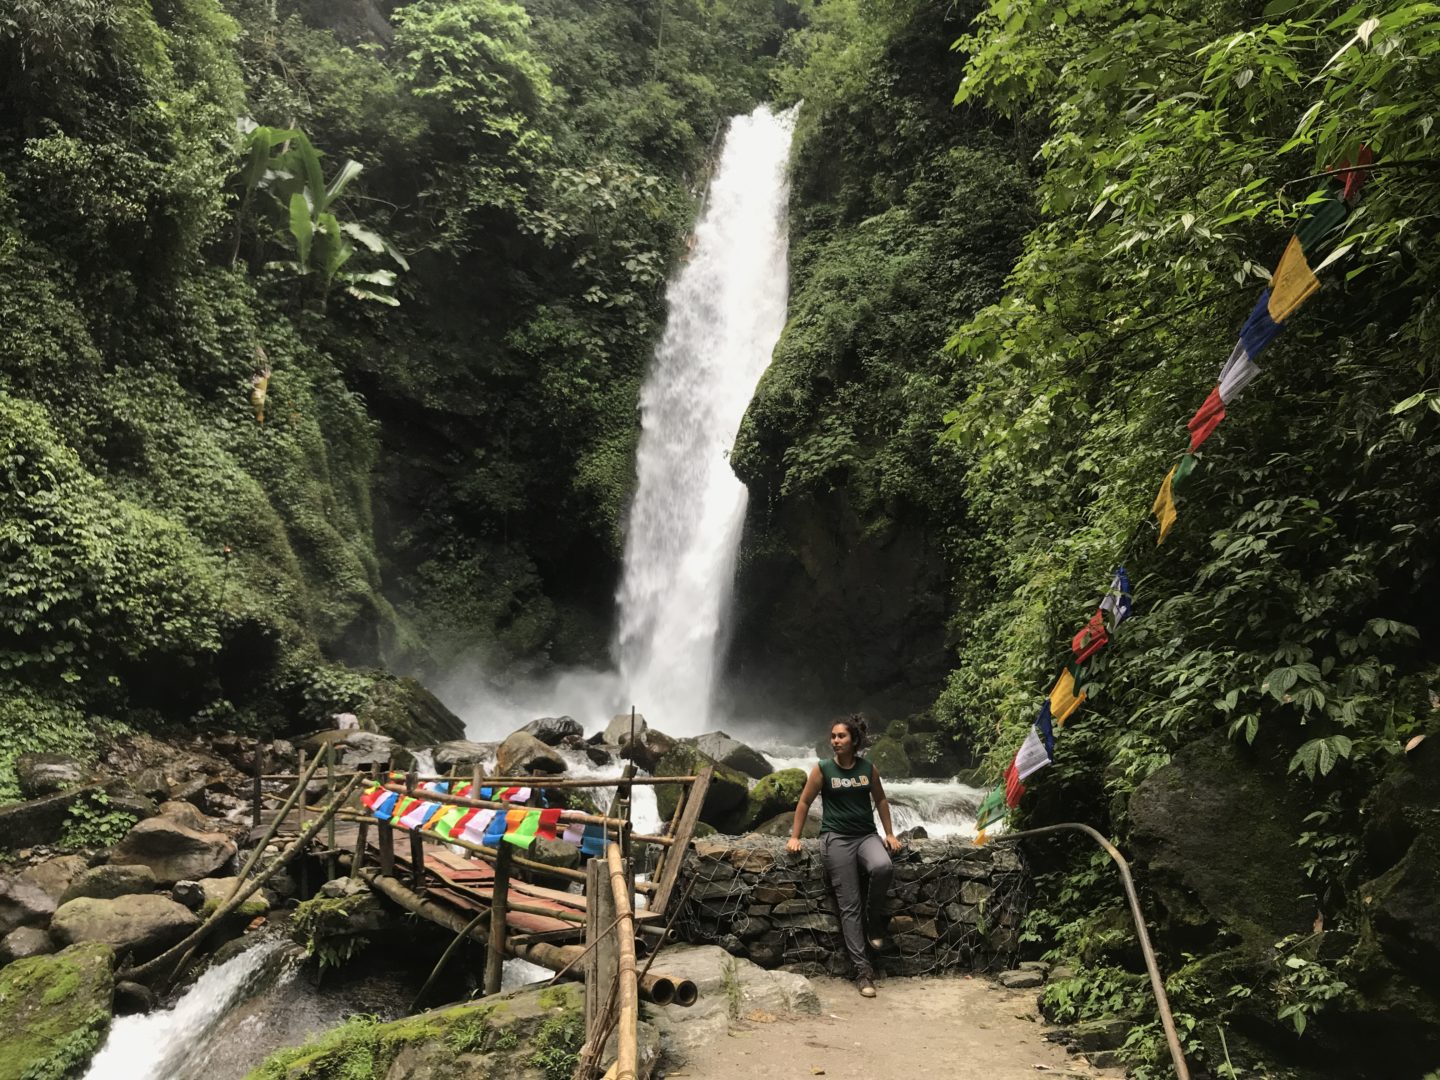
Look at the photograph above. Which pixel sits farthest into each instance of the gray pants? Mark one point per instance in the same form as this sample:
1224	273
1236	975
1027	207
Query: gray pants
845	857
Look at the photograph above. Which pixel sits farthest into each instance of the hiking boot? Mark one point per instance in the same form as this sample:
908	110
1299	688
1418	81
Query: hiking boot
865	986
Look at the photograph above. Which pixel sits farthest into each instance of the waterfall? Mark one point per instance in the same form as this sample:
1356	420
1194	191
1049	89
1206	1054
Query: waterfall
726	311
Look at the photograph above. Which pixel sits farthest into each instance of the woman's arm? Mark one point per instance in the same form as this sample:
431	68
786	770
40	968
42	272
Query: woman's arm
802	808
882	806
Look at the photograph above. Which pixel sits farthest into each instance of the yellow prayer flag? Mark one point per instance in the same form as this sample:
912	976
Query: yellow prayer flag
1063	698
1164	508
1292	283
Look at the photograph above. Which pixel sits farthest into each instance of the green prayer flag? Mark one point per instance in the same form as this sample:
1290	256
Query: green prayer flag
448	820
524	834
992	809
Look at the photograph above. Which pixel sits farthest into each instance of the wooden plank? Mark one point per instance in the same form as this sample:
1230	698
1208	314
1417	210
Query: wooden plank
670	869
601	963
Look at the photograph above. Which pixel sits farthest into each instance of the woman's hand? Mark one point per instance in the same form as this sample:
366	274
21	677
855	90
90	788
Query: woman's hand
794	844
891	841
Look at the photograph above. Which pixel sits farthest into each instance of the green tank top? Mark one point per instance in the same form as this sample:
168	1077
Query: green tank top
845	798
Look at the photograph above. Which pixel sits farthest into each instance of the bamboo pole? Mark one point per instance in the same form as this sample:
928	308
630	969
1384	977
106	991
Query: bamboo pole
185	947
526	781
627	1055
330	862
495	959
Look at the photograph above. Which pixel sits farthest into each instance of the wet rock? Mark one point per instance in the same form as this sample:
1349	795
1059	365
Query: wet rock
133	999
598	754
1020	980
408	713
53	876
522	754
647	749
552	730
124	798
559	853
889	758
191	791
916	832
55	1011
1210	868
174	847
782	823
462	754
734	753
45	774
110	881
727	794
24	942
776	794
23	903
617	732
38	821
363	749
145	925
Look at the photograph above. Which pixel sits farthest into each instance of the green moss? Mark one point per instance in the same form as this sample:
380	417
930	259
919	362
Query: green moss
54	1012
508	1037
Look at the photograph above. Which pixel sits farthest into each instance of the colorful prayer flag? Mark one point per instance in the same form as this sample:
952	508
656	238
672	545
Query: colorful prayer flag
1091	639
1032	755
548	821
1206	419
521	833
594	841
574	833
1354	181
475	830
1065	697
418	815
1013	787
463	791
1117	601
1164	506
1321	218
496	829
990	810
1292	283
1046	728
385	805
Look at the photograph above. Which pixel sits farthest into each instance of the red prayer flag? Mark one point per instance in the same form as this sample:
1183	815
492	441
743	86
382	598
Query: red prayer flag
1354	181
1206	419
459	826
1013	787
1091	639
548	820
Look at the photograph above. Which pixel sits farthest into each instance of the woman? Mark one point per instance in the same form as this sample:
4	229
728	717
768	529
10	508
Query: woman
848	843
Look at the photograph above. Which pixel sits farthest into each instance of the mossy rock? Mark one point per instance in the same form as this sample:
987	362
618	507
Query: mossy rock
781	824
774	794
408	713
889	757
729	789
897	729
930	756
528	1035
55	1011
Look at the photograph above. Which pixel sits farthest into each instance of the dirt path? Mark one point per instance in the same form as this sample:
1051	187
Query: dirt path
958	1028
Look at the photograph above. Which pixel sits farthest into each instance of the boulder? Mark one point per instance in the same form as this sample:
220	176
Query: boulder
647	749
728	791
1402	904
551	730
522	755
727	985
23	903
560	853
889	758
54	876
207	894
172	846
126	799
110	881
144	925
45	774
407	712
38	821
24	942
186	814
781	824
775	795
617	732
361	749
55	1011
463	754
1211	868
734	753
930	756
152	784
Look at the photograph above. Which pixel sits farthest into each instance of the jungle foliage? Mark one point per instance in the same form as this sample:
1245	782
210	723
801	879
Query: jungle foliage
1293	606
232	480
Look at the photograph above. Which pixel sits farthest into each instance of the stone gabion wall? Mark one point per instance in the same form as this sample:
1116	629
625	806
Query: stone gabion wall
953	906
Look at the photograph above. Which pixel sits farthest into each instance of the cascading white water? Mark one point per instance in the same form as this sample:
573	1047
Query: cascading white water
726	311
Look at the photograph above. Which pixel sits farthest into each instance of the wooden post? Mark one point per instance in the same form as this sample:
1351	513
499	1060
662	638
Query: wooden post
500	889
300	822
332	866
386	836
362	830
601	963
627	1049
255	793
675	857
417	862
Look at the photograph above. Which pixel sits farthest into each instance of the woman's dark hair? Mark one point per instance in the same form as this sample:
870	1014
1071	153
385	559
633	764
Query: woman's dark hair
855	724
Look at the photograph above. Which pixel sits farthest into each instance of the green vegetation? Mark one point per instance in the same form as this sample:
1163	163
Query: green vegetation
93	822
56	1011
